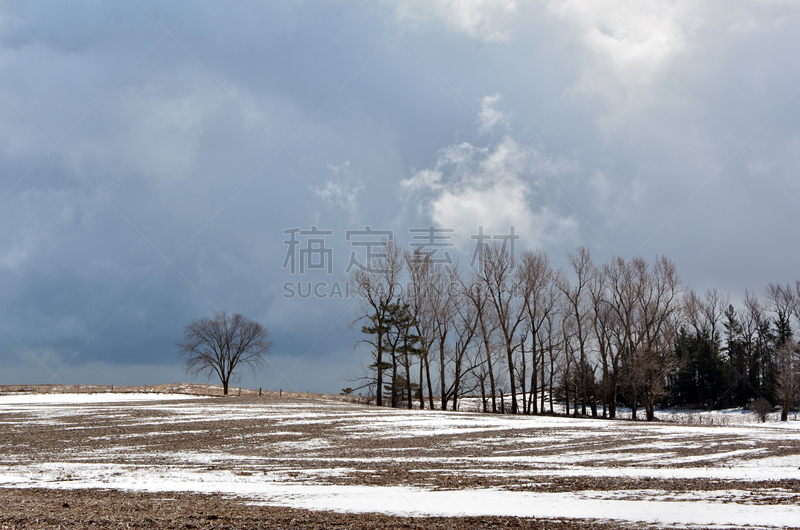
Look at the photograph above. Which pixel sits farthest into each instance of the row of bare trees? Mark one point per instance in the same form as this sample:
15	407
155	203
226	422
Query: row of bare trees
517	330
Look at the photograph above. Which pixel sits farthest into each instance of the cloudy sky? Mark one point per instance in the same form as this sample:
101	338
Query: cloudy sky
152	154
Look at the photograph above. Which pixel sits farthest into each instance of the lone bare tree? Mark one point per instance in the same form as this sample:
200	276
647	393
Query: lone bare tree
217	346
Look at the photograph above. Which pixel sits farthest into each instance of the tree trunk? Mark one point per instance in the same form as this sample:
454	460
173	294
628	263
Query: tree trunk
612	404
575	397
492	386
541	399
510	352
522	375
421	383
552	376
457	380
378	367
582	377
442	374
605	385
533	408
428	375
394	380
491	374
408	374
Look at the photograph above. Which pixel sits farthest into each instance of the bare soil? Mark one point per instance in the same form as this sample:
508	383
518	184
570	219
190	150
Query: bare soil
74	509
327	436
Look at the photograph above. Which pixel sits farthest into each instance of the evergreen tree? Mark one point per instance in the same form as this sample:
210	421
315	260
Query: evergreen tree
377	329
700	379
740	391
766	352
402	345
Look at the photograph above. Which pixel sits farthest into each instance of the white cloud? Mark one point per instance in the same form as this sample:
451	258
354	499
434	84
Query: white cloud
495	187
490	117
639	38
343	191
641	41
426	179
486	20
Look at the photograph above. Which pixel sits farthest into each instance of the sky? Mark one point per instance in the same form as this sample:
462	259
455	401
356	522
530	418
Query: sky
158	158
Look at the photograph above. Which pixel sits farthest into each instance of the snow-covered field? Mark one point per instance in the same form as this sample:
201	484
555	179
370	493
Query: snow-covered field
327	455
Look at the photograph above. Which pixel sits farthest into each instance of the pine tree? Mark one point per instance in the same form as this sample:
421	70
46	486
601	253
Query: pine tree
402	345
739	391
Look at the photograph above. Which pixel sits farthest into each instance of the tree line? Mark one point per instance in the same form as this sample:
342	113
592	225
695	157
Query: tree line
523	335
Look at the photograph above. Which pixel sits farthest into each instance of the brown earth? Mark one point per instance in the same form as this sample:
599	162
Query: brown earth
90	509
302	439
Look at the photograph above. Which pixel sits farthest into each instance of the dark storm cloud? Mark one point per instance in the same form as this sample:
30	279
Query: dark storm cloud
629	127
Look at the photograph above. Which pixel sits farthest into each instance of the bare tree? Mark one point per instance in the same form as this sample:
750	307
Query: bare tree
693	312
577	296
713	309
538	277
782	302
476	293
219	345
376	282
420	292
466	332
644	303
659	308
568	357
603	323
550	339
788	378
618	329
759	325
623	295
508	297
473	380
442	303
797	299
